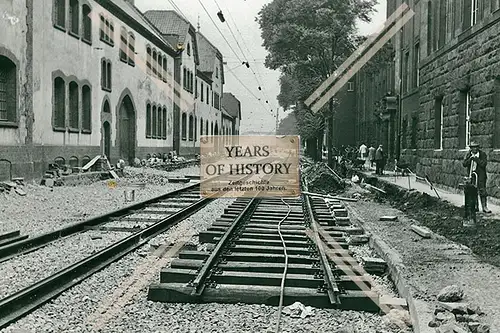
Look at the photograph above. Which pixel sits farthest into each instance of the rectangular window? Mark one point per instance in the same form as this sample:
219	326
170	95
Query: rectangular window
474	17
165	69
464	120
87	23
148	121
131	49
208	94
430	28
406	72
216	101
350	86
155	123
123	45
442	23
202	91
496	110
164	118
73	106
495	5
438	122
60	13
467	14
86	109
184	76
159	134
416	57
8	91
74	15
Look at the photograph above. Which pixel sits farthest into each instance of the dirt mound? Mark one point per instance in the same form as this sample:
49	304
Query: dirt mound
321	179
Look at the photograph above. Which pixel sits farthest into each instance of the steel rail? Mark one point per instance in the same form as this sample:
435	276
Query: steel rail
199	281
332	290
35	243
25	301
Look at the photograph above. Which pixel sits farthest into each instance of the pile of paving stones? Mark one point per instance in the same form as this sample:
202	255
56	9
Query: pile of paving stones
452	314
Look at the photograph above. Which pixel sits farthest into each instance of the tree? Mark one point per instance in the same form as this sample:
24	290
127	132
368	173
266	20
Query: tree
307	41
288	125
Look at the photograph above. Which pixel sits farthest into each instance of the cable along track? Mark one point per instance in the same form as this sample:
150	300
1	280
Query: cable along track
247	259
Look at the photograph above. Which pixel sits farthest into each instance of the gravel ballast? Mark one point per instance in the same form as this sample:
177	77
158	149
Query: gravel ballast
25	270
115	300
43	210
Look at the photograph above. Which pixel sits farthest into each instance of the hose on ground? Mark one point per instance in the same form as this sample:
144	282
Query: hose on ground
283	279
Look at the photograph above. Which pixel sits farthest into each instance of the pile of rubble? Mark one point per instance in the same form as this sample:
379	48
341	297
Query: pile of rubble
453	315
167	162
321	179
15	184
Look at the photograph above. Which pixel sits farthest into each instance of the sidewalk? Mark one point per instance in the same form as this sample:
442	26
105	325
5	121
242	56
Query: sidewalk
456	199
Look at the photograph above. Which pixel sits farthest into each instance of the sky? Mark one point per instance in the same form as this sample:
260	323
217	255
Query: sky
243	82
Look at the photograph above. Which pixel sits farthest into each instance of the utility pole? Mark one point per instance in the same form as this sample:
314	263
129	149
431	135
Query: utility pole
277	119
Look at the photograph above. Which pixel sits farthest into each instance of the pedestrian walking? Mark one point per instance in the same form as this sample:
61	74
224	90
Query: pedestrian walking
363	149
379	160
371	155
475	161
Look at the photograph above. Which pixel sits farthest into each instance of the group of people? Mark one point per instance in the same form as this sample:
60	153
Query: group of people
372	155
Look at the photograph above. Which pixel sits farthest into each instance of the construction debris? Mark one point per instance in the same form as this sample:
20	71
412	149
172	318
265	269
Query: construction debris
374	266
388	218
421	231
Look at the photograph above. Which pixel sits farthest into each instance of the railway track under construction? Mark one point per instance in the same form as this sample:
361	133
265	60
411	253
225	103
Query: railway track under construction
262	249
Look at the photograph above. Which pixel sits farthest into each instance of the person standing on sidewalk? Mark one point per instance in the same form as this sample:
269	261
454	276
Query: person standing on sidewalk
363	149
379	160
371	155
476	161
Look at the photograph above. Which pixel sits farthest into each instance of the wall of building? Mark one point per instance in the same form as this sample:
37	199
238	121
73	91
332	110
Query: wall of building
59	53
16	131
467	62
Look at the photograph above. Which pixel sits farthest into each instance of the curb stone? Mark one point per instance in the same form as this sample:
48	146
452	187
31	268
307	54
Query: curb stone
421	312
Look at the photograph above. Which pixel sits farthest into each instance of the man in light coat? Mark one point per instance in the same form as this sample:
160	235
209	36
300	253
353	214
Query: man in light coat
476	161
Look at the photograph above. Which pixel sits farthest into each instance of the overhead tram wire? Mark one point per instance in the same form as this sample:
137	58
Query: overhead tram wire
257	76
237	78
216	26
227	42
178	9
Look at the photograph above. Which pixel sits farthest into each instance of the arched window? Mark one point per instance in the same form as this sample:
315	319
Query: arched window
59	115
201	126
8	90
131	49
73	105
159	126
189	49
206	128
123	44
60	161
195	135
86	109
155	63
73	161
85	160
183	126
155	123
165	122
87	23
191	129
74	17
60	13
148	120
106	108
165	68
148	60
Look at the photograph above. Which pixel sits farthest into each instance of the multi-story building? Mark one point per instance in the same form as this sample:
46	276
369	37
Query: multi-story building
210	77
77	81
81	78
232	106
447	83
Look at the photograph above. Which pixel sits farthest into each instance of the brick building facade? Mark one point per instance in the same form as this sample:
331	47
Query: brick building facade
446	83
